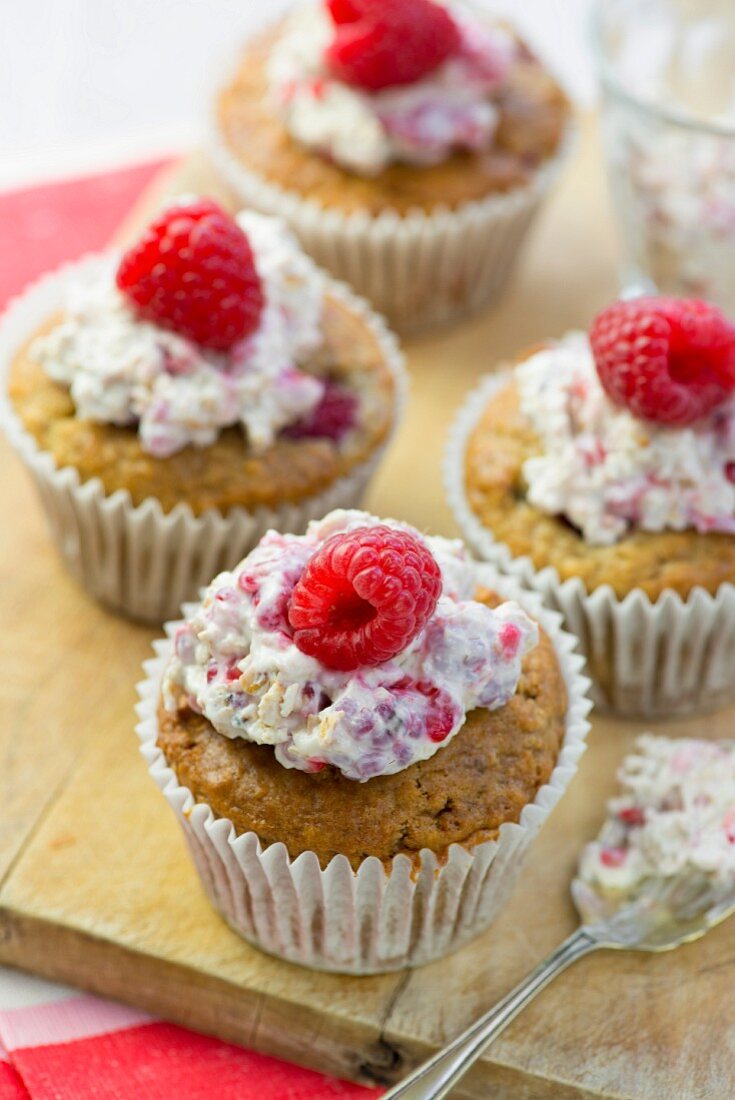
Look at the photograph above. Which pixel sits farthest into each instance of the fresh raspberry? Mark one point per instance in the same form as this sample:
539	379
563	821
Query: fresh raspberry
363	596
331	419
193	271
666	359
381	43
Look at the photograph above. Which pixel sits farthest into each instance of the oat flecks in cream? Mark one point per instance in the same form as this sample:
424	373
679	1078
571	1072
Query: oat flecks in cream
122	370
676	811
608	471
421	123
235	661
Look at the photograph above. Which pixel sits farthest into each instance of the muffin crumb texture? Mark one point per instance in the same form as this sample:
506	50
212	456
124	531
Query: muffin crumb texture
484	777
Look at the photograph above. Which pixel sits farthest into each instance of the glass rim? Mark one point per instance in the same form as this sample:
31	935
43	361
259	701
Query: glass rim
612	83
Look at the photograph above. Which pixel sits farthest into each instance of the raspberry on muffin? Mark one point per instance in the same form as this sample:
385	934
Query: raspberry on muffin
384	43
620	439
363	596
359	646
361	730
212	371
668	360
220	341
399	92
207	326
600	468
193	271
349	114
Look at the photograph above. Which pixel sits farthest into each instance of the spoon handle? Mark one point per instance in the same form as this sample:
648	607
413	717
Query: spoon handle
434	1078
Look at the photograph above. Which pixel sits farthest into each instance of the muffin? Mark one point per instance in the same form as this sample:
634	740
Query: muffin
408	145
175	404
600	472
361	730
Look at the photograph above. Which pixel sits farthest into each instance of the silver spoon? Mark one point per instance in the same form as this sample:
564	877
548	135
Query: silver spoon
661	914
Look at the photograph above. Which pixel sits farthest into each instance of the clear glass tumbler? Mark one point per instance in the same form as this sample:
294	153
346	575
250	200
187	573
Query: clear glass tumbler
667	70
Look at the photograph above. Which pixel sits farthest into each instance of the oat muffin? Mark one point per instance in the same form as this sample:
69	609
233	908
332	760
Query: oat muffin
427	115
602	465
484	777
653	561
228	473
532	115
179	401
356	701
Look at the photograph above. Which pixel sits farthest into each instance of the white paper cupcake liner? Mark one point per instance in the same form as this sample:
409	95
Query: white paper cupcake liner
372	919
140	560
647	659
419	270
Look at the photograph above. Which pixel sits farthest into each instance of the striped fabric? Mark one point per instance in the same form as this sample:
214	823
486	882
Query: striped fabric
59	1045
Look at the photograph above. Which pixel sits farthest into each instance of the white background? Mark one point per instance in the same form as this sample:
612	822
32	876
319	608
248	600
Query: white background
87	83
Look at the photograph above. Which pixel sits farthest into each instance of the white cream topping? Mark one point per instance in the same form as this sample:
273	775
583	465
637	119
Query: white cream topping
607	471
676	811
122	370
235	660
422	123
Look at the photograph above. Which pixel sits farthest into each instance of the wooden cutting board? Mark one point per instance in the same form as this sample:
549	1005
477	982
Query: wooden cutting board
96	887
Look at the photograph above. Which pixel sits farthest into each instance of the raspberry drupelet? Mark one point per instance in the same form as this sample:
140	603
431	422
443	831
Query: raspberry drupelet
361	645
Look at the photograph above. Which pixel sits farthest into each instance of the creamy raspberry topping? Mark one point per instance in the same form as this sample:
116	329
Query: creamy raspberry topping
607	471
123	370
235	661
676	811
421	123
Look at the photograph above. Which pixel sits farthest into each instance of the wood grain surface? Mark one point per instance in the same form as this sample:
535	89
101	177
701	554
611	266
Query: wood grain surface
96	886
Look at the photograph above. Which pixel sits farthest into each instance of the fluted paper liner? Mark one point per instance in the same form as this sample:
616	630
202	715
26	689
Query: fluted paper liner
373	919
419	269
140	560
648	659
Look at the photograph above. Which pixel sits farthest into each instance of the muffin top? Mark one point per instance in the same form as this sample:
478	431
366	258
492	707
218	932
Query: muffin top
403	98
624	439
358	646
355	691
213	365
407	82
200	327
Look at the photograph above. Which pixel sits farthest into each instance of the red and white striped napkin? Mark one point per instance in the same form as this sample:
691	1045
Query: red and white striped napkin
56	1044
